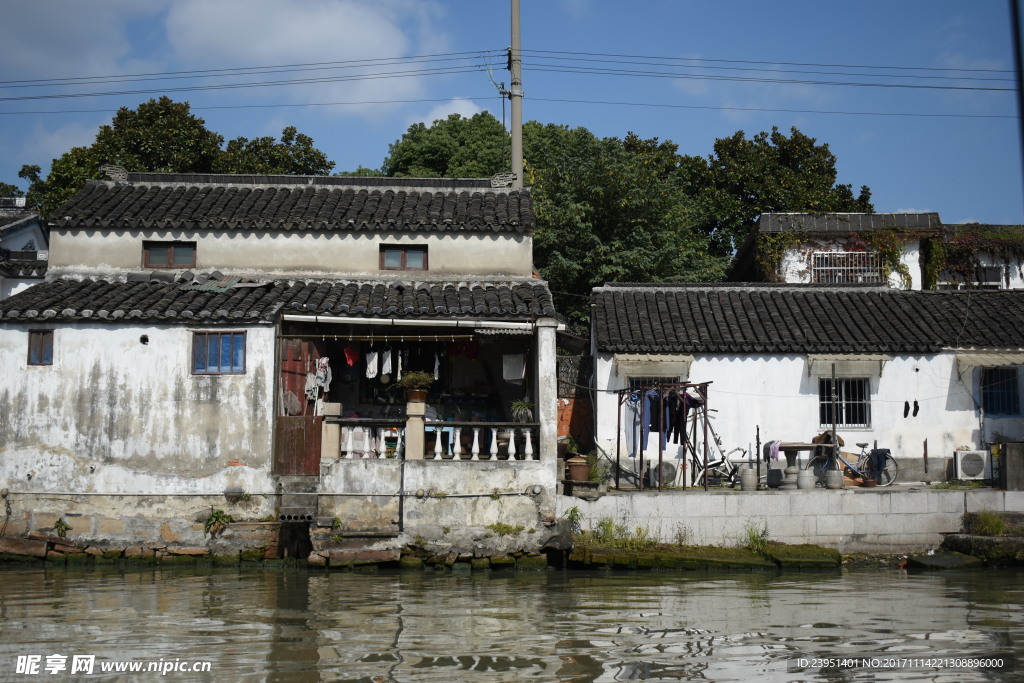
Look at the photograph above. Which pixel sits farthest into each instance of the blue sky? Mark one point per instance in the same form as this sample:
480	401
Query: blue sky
940	135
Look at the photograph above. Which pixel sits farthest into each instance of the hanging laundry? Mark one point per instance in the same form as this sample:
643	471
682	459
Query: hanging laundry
311	386
437	366
385	362
351	355
655	417
371	364
324	376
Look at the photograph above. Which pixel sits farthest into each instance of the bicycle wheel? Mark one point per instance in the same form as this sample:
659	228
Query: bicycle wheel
890	471
819	464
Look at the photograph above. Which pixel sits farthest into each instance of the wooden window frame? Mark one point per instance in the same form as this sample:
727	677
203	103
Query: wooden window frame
40	342
170	244
205	336
405	251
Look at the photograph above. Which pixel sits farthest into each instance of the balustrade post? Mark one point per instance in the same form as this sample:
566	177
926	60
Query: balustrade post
494	443
438	446
528	448
457	443
476	444
512	443
348	442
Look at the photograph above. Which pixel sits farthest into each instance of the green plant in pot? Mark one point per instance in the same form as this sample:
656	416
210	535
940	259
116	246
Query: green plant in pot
522	410
416	384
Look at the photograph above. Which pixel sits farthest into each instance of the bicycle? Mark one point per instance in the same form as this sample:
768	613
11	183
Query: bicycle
885	475
721	468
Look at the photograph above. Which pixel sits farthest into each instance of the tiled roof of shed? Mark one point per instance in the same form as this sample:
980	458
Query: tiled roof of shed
239	301
157	201
802	319
845	222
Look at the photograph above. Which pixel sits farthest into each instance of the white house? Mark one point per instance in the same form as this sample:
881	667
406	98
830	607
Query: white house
23	247
923	373
206	342
902	250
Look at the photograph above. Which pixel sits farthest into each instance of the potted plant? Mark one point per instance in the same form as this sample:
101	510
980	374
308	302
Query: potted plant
522	410
415	384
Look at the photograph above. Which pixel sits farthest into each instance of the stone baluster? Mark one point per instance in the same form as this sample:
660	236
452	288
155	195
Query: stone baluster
476	444
528	448
438	446
348	442
494	444
512	443
457	443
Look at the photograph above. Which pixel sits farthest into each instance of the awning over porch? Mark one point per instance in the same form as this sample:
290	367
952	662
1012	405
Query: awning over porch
851	362
989	359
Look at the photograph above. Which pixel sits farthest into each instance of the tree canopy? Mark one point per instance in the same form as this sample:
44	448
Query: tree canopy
164	136
633	210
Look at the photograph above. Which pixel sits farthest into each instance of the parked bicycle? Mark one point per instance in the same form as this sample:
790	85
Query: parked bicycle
720	471
883	467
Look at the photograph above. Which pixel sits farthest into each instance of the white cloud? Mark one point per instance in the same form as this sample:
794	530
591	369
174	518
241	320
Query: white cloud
43	144
249	33
463	107
69	38
914	211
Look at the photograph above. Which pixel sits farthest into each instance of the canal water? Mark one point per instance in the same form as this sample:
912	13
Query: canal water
299	625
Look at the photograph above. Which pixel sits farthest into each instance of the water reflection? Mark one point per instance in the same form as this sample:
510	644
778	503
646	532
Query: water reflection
311	626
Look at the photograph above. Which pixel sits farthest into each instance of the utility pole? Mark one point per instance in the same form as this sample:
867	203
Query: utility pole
515	94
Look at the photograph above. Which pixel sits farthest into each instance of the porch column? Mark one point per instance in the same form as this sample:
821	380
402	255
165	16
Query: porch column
414	439
547	393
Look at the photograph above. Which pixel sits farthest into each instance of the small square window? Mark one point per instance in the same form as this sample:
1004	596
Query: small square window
40	347
396	257
218	353
169	254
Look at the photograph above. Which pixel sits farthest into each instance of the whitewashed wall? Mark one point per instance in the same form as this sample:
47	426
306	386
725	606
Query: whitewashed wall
776	393
796	263
114	415
295	253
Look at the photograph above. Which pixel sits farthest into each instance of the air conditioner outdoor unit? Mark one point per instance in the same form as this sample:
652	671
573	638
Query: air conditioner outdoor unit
973	465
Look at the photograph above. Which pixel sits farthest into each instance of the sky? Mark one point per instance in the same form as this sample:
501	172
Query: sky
916	98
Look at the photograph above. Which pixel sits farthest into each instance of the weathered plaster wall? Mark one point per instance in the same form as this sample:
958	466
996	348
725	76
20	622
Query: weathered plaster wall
318	254
115	416
777	394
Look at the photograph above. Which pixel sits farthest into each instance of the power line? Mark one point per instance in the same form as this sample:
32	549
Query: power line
766	109
741	61
200	107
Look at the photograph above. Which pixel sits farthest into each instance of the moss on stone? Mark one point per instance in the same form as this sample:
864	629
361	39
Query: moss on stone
528	563
804	556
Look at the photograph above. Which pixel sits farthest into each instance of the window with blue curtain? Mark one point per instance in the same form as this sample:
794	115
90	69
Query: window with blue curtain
218	353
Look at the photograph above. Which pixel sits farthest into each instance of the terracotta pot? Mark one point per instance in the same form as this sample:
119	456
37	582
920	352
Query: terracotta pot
415	395
578	468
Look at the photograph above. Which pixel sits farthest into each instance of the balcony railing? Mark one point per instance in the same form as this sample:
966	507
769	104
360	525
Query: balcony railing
481	441
386	438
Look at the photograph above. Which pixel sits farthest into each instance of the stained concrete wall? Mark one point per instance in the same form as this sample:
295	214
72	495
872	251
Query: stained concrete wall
295	253
114	418
897	520
779	395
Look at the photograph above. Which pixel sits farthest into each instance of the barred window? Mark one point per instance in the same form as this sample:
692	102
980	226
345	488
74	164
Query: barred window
845	267
853	402
637	382
999	391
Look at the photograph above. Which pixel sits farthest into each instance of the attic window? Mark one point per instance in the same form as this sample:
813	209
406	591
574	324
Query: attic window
168	254
398	257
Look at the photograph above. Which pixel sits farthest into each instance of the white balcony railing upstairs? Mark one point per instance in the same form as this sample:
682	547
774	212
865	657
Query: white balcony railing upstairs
362	438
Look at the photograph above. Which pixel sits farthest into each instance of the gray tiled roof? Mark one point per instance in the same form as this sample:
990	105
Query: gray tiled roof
802	319
171	201
233	300
846	222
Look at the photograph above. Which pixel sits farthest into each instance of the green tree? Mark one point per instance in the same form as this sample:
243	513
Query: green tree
164	136
8	190
294	155
612	211
771	172
455	147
